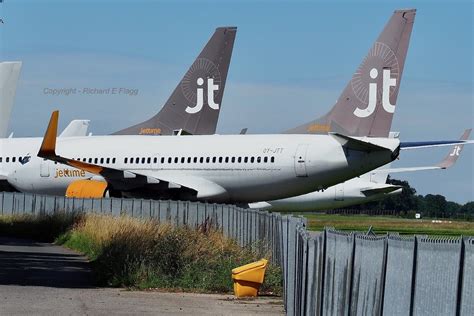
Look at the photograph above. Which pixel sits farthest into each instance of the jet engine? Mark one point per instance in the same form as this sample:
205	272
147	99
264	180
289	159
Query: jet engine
87	189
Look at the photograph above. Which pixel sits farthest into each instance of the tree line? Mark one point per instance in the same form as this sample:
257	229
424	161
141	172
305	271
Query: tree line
408	203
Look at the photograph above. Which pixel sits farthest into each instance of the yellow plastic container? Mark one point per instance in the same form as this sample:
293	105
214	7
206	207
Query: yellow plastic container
248	278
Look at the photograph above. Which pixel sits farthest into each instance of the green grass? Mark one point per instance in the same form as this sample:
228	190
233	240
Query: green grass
385	224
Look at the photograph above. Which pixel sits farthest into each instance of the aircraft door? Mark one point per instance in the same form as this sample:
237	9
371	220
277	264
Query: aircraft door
339	193
44	168
300	160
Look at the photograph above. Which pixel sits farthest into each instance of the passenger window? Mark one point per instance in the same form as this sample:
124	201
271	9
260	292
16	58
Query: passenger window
90	160
108	160
259	159
7	159
1	159
226	160
252	159
272	160
265	159
13	159
101	160
170	160
148	160
189	159
195	160
175	159
162	160
155	160
208	159
220	159
183	159
143	160
214	159
239	159
246	159
232	160
201	160
113	160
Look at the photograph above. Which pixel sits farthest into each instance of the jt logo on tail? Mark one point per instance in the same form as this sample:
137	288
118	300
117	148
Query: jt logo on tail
211	87
456	151
387	83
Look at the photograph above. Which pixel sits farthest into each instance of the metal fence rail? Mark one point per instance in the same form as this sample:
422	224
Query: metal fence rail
327	273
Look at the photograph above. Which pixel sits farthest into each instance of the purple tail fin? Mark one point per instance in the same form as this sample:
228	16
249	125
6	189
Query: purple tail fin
367	104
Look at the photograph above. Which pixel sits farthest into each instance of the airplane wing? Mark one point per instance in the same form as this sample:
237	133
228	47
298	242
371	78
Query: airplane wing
76	128
446	163
124	180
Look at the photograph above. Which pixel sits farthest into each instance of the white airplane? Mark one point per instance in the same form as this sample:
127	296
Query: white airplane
218	168
9	74
368	187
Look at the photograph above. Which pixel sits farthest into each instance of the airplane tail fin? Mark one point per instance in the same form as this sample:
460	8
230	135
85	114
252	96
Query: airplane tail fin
367	104
76	128
195	103
9	74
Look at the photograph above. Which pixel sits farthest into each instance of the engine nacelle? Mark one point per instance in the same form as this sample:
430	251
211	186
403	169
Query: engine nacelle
87	189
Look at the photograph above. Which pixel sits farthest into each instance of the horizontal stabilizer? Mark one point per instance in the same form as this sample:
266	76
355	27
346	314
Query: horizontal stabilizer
408	169
356	144
387	189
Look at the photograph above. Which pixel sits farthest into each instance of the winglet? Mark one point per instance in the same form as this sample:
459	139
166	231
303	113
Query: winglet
48	147
453	155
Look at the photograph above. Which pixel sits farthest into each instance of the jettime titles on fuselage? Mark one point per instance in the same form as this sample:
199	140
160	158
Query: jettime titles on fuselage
69	173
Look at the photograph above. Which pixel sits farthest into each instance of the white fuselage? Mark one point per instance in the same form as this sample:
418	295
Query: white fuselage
247	168
344	194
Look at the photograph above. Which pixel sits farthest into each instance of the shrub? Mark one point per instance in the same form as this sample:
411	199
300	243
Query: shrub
146	254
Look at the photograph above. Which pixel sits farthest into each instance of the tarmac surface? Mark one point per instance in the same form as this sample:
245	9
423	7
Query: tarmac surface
45	279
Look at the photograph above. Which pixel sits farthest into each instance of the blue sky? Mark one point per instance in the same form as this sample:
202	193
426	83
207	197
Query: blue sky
291	60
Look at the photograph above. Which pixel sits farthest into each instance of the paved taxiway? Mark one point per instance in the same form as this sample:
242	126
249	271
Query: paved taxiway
44	279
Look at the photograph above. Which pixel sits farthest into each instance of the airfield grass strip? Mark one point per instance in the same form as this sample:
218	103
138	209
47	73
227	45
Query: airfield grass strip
387	224
144	254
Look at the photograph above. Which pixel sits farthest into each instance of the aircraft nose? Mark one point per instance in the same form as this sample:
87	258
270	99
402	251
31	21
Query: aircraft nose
16	180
